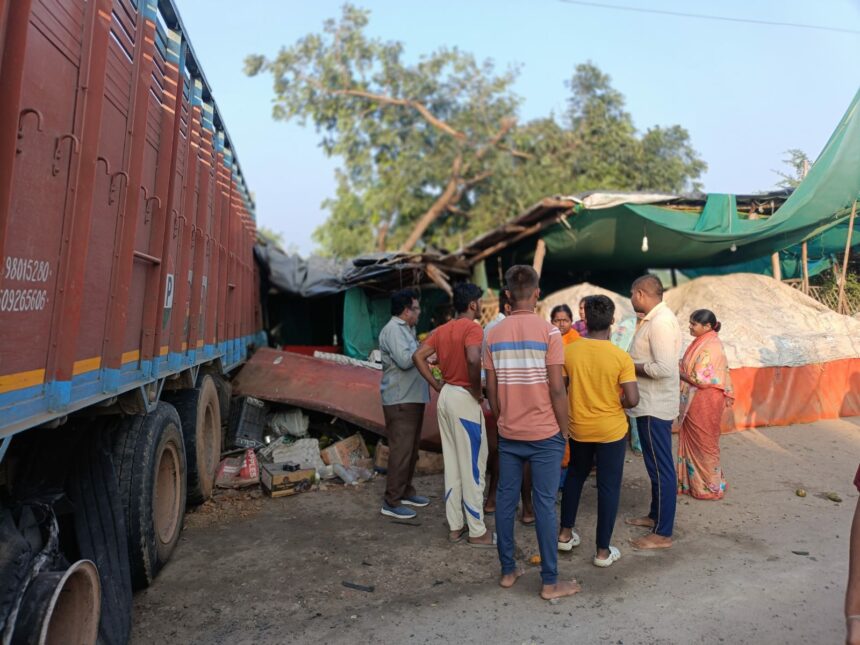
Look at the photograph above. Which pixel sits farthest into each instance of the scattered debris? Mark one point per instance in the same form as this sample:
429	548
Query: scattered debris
834	497
292	422
800	492
305	452
535	559
247	422
429	463
238	472
800	552
280	480
380	458
348	452
352	475
357	587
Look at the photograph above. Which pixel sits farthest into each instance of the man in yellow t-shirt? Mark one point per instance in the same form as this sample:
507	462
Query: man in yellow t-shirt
602	382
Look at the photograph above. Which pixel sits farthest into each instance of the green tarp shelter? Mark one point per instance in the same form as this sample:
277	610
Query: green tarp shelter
607	232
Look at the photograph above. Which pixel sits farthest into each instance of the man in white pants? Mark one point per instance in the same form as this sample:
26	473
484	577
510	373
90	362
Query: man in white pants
457	345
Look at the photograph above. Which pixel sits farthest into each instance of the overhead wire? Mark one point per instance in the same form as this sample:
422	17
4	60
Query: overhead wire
702	16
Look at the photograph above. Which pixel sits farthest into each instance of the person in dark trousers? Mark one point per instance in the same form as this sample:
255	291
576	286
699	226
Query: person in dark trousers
404	395
602	383
656	350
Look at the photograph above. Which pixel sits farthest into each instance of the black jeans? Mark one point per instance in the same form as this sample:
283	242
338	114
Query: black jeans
610	467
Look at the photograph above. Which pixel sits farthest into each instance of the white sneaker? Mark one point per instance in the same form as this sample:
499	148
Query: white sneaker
572	542
614	555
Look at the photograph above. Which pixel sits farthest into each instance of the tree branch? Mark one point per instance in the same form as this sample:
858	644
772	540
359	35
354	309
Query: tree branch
450	195
390	100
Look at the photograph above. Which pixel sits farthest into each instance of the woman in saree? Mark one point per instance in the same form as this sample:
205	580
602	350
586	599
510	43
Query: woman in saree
706	391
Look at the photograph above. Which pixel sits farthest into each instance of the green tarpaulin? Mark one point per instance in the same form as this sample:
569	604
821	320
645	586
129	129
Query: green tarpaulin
612	238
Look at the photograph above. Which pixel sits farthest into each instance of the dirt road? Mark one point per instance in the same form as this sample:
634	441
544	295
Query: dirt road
760	566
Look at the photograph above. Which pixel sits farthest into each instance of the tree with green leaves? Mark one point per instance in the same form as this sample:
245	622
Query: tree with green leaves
798	163
432	151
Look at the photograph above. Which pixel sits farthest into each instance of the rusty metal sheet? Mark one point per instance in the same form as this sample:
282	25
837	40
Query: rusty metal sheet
348	392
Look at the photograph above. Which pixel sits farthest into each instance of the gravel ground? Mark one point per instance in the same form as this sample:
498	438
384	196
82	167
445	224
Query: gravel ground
760	566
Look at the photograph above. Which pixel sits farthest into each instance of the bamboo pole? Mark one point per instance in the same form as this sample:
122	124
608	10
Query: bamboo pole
774	266
840	303
804	259
804	250
540	254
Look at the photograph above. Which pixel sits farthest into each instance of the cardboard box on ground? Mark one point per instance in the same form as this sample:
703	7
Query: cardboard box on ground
278	480
429	463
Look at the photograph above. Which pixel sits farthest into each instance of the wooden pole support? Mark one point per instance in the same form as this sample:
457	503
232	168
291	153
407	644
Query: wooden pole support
804	258
840	306
774	264
540	254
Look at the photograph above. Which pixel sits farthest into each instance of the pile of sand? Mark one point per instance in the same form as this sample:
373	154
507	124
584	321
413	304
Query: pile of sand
572	295
766	323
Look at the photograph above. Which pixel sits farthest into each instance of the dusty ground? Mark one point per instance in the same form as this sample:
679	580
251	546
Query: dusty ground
761	566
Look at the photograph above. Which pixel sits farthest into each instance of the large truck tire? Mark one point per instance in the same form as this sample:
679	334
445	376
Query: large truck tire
200	412
149	455
100	529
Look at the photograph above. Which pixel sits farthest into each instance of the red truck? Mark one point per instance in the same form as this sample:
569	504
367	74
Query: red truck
128	290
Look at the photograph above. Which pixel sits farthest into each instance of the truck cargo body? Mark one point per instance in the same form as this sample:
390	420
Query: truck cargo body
126	229
128	294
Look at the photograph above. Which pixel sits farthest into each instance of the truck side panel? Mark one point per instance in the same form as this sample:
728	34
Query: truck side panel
126	230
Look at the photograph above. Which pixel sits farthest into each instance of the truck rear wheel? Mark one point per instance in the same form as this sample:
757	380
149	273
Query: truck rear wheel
200	412
149	455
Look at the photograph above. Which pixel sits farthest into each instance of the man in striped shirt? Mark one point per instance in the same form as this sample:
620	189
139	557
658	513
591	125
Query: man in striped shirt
524	360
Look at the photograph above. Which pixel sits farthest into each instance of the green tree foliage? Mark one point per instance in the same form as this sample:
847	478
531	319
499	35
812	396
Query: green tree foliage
432	151
798	162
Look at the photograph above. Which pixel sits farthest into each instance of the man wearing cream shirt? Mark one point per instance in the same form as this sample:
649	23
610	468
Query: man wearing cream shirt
655	351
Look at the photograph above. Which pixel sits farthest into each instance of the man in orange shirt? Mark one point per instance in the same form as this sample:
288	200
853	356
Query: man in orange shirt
457	345
525	384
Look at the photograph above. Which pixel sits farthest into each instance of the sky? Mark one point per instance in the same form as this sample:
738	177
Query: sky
745	92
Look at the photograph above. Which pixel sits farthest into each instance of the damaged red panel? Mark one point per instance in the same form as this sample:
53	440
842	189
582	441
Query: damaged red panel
345	391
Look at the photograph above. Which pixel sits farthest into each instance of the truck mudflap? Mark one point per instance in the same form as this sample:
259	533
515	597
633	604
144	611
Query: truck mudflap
348	392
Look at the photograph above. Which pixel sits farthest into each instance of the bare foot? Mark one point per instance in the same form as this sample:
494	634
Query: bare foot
646	521
652	541
528	517
486	539
507	580
560	589
489	507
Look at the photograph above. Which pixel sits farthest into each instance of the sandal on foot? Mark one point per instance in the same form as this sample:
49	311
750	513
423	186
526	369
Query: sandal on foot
572	542
483	545
614	556
460	535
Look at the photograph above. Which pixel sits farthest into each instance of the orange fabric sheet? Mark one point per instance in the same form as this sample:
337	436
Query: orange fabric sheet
777	396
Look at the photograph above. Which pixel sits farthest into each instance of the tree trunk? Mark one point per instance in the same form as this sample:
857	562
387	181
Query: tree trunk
452	191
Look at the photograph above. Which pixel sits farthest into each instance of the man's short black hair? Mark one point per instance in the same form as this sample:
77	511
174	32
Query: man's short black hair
401	300
503	298
599	313
521	281
650	284
465	293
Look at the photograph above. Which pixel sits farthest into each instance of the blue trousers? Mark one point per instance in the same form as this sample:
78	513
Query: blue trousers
545	458
610	467
656	437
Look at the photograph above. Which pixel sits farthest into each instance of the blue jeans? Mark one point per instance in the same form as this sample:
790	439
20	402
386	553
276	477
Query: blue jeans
656	437
545	458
